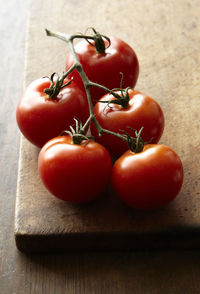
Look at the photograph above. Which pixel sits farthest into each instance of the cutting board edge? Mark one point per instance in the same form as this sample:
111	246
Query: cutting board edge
180	239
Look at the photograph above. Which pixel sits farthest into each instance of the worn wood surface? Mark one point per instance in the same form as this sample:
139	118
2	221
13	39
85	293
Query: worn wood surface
166	39
114	272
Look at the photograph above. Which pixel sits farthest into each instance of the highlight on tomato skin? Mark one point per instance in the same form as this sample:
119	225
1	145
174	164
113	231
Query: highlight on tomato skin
105	69
74	173
150	179
142	111
41	118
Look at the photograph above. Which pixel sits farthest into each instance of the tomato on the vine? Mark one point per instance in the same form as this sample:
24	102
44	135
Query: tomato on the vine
41	117
74	172
148	179
105	68
141	111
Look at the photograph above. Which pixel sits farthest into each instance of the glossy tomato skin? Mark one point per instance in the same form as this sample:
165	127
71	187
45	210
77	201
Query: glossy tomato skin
143	111
150	179
105	68
41	118
74	173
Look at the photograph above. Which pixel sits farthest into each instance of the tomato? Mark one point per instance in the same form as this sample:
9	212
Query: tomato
149	179
75	173
41	118
105	68
142	111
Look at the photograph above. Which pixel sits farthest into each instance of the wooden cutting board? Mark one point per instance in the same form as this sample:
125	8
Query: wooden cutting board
165	36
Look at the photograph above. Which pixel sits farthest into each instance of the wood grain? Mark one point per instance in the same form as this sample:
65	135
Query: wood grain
156	272
12	32
167	47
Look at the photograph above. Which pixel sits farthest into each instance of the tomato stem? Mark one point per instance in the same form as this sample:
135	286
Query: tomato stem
136	143
99	43
78	133
122	99
84	127
57	84
92	84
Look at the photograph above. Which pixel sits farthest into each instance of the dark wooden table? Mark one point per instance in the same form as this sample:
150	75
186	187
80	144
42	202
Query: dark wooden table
91	272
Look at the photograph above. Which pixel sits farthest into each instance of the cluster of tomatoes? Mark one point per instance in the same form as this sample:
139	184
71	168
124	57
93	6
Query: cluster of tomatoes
76	168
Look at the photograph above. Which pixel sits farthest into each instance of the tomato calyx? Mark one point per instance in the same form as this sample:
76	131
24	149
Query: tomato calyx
122	99
77	133
135	144
99	43
56	85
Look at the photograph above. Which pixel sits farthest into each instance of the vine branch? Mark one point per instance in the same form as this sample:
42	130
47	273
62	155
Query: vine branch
136	144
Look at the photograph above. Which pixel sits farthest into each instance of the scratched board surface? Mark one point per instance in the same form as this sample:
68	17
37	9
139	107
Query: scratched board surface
166	39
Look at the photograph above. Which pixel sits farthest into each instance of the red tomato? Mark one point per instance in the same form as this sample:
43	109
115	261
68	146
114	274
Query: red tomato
142	111
41	118
149	179
105	68
75	173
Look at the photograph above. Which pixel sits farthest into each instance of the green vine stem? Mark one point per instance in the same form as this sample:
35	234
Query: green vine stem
78	133
135	144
